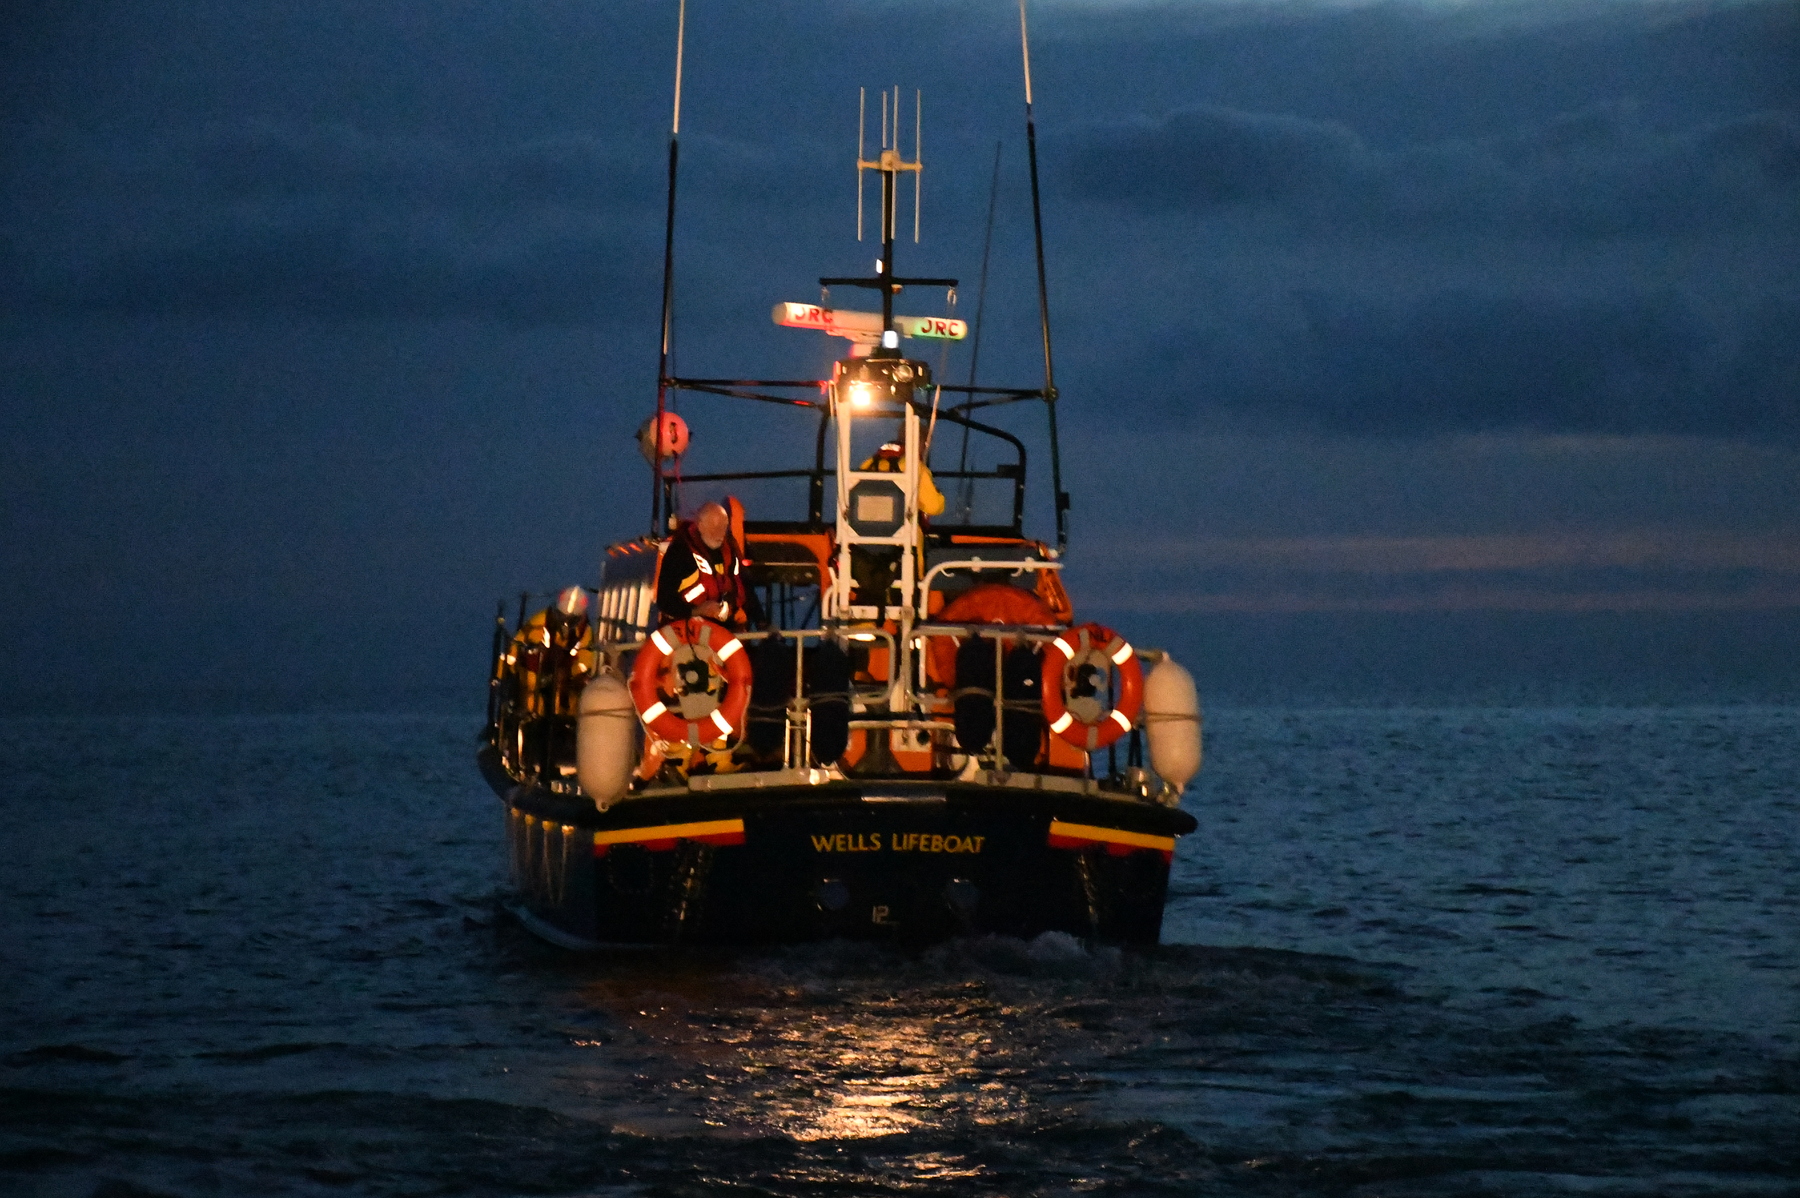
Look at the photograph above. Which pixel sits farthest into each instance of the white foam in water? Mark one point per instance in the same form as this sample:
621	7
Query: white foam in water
1430	951
1055	946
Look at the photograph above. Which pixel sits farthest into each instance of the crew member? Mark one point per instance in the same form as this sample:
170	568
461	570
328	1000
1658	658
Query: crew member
703	574
891	459
874	568
551	656
539	680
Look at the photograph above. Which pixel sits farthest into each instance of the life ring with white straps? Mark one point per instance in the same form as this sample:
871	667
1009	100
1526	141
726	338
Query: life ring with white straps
699	653
1074	691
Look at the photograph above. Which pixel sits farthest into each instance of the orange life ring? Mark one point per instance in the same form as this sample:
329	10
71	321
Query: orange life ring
711	648
1096	649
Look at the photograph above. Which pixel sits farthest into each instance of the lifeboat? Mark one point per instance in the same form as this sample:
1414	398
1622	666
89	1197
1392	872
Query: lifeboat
846	694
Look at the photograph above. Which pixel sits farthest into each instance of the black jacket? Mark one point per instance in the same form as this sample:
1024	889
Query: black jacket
693	573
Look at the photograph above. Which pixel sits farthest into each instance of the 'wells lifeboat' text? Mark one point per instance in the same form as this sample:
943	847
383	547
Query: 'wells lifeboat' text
896	842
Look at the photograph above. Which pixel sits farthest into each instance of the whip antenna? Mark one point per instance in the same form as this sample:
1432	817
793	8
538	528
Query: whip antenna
918	176
862	126
668	286
987	246
1037	226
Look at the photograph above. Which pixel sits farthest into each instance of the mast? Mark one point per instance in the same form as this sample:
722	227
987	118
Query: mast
890	165
1037	226
889	179
668	286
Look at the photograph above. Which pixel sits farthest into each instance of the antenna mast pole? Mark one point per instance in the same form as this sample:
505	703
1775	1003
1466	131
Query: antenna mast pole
1037	225
890	164
889	201
668	288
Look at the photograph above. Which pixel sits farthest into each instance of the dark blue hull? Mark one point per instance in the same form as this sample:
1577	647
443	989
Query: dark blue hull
880	859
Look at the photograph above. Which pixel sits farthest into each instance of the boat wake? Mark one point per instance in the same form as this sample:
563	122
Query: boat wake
977	1065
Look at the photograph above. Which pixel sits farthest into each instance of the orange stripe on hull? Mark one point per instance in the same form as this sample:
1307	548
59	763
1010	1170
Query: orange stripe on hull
1118	842
664	837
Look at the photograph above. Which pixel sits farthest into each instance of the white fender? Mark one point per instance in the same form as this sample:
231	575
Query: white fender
1172	723
605	736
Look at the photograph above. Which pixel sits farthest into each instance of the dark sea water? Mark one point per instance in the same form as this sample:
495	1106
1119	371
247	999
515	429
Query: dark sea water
1410	951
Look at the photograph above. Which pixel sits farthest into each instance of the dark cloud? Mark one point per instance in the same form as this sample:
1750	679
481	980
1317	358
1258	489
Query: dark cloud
249	218
1621	267
241	218
1407	74
1597	173
1472	361
1211	157
1461	361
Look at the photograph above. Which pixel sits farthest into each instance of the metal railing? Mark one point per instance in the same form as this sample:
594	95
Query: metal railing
912	706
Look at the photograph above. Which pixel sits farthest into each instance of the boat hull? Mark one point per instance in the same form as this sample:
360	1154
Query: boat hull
903	861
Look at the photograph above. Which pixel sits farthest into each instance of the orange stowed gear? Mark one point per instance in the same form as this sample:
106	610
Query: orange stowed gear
1074	664
987	603
699	654
734	517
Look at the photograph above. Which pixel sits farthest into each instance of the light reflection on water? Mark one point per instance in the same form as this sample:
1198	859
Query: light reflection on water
829	1059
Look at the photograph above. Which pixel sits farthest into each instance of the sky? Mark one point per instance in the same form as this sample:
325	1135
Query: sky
1436	350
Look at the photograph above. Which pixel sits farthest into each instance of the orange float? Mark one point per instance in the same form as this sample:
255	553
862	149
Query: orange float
699	652
1072	664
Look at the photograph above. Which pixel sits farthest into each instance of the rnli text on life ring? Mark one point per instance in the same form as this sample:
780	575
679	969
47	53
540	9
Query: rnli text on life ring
710	648
1075	668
